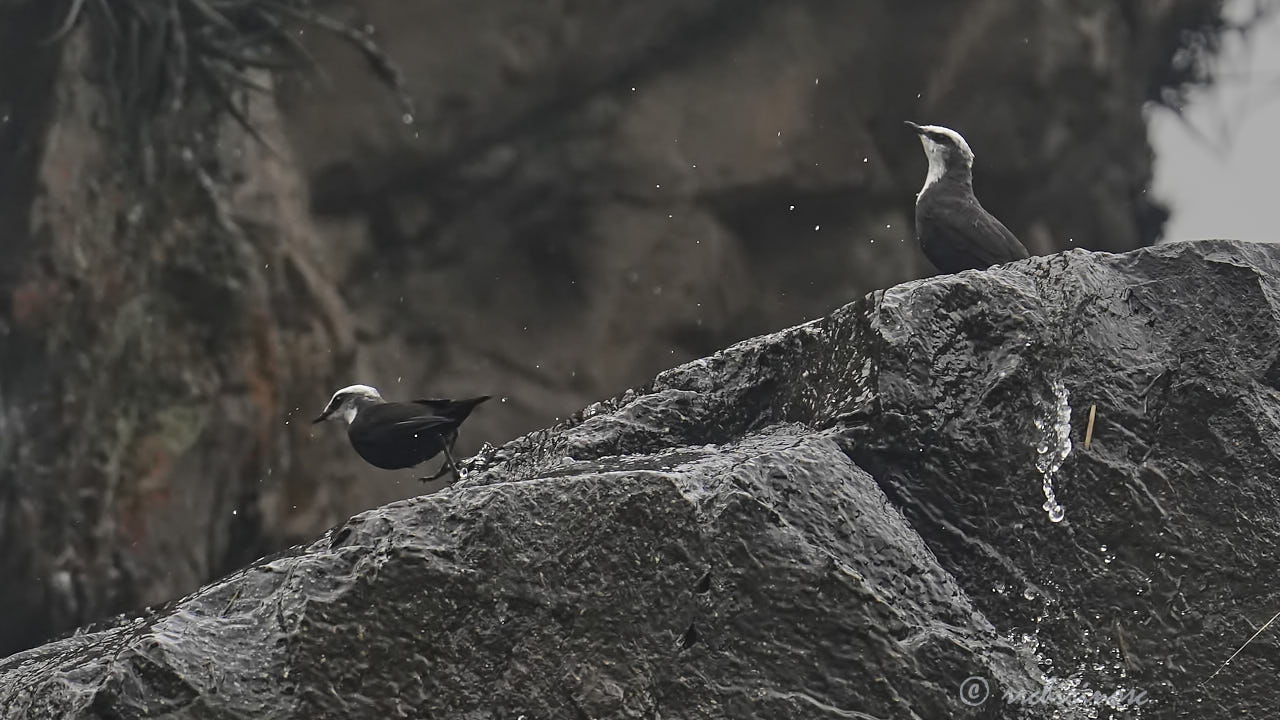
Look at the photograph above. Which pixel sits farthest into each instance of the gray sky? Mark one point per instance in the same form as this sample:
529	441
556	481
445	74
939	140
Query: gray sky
1219	175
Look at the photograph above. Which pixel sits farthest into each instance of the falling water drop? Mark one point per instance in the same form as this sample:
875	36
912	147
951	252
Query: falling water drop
1054	447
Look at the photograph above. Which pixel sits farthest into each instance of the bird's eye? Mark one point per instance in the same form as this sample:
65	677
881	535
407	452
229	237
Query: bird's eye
940	138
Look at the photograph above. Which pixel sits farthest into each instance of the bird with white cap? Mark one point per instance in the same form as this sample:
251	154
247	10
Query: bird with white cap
396	435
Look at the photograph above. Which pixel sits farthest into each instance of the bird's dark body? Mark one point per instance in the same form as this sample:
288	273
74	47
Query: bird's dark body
395	435
957	234
954	231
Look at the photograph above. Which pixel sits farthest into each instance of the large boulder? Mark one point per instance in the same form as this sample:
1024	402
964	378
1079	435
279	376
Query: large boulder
585	193
846	518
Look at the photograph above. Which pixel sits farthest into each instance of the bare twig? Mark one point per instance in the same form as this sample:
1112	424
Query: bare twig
68	22
1241	648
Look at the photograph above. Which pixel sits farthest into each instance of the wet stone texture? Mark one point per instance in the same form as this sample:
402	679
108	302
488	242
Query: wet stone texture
585	193
843	519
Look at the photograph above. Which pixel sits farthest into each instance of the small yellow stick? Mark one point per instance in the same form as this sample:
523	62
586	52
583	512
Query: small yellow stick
1088	432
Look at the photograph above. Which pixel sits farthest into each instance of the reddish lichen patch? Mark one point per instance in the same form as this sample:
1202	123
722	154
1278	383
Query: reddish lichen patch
31	302
152	464
261	377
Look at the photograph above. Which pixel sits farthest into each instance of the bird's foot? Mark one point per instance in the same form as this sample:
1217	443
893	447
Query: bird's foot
445	469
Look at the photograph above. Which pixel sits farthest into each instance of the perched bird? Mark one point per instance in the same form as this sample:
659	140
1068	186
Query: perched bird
952	228
393	435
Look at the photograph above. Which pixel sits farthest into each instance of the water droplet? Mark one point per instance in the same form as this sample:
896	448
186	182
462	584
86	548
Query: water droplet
1054	446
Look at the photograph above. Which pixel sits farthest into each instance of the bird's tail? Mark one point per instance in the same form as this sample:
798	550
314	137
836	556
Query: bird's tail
456	410
471	403
462	408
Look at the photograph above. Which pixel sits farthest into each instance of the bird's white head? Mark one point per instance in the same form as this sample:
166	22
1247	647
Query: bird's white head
946	151
347	402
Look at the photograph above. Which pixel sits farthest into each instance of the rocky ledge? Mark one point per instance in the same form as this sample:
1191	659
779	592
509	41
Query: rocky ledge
889	512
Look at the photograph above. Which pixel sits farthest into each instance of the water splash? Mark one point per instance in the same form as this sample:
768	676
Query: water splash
1054	447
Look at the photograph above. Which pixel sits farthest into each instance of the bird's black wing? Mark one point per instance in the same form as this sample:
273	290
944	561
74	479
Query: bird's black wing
406	418
958	234
396	435
438	405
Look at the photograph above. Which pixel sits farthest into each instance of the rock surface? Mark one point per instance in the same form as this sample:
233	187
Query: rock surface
587	193
842	519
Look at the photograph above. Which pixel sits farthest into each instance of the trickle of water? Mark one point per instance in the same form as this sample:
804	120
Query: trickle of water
1054	447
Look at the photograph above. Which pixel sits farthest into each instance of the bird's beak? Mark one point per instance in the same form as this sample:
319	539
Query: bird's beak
323	416
913	126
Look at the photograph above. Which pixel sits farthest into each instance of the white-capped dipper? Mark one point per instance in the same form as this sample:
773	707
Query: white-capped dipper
394	435
952	228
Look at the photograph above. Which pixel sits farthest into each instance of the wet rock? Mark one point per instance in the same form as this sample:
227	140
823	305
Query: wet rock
585	193
1158	572
763	577
844	517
